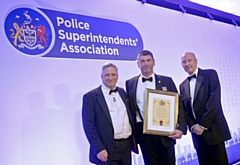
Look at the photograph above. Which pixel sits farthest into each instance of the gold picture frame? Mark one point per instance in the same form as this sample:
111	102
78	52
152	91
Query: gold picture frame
161	112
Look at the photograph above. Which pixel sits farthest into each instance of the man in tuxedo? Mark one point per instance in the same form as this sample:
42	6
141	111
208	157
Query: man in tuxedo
156	150
107	122
201	96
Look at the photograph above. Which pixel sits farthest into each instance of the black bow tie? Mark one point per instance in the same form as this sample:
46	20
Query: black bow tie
190	77
147	79
113	91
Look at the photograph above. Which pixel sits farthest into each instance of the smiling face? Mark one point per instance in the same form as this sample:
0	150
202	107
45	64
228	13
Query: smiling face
146	64
189	62
109	77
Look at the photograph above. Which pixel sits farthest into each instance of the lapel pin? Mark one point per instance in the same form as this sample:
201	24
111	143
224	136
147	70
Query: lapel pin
159	81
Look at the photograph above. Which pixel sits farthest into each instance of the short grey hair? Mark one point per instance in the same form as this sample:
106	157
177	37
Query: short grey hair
109	64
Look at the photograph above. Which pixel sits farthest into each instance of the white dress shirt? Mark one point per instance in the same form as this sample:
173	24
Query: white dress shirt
141	92
192	84
118	113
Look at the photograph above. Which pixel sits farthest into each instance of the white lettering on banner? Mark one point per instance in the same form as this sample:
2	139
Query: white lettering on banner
96	38
73	23
101	50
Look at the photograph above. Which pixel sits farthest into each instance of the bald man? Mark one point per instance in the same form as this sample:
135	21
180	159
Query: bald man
201	96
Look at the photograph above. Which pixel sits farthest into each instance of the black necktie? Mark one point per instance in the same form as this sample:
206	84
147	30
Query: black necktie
190	77
113	91
147	79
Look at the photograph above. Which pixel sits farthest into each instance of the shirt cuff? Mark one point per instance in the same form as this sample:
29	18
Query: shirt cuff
203	127
192	127
199	126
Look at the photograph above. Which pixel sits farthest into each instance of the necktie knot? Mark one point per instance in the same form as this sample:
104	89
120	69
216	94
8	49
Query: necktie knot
113	90
147	79
190	77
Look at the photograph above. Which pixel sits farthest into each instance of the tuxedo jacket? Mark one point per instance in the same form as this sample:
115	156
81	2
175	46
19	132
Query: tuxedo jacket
206	106
162	83
97	123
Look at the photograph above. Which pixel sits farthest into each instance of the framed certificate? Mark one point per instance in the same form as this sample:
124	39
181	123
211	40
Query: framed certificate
161	112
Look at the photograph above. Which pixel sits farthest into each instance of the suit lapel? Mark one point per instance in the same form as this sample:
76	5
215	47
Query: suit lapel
199	81
186	87
187	97
122	96
134	89
103	104
158	81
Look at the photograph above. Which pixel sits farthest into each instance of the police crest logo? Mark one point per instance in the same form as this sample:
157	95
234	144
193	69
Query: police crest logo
28	31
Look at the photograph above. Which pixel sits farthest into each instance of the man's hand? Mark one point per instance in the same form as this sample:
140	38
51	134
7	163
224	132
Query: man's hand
176	134
103	155
197	129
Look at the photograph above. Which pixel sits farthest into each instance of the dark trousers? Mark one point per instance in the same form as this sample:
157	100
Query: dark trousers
121	152
211	154
153	151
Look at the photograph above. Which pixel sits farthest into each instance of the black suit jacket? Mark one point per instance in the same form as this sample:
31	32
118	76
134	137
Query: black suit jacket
161	82
97	123
207	107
